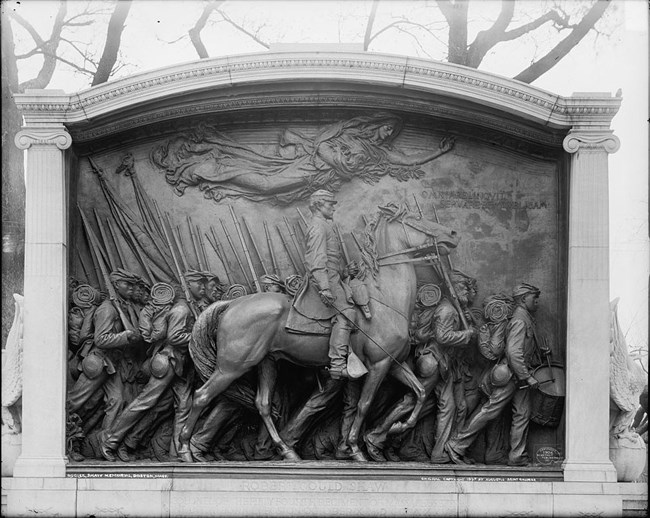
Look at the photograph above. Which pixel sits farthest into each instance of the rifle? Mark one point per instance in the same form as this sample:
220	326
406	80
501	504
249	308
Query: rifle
113	233
128	326
286	248
344	247
83	266
102	232
176	234
292	235
181	278
195	245
274	261
135	245
304	227
445	274
257	251
356	241
241	266
247	254
302	218
202	248
222	256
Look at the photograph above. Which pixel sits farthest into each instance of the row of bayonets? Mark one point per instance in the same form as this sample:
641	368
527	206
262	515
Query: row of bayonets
165	238
106	260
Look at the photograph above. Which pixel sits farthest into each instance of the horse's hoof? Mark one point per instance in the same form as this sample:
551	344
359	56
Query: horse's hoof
289	454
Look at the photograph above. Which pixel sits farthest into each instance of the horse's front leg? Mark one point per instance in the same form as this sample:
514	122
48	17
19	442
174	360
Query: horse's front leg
267	373
216	384
376	374
404	374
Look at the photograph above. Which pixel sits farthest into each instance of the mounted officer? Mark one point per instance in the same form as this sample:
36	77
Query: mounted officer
324	295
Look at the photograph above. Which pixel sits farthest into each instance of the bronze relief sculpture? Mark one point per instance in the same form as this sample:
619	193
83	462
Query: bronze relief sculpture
223	168
310	341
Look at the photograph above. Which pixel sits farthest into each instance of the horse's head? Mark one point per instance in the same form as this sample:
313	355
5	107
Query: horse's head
395	230
419	232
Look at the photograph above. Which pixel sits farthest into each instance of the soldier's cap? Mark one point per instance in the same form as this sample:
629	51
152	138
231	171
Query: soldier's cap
213	277
524	288
141	282
120	274
458	276
196	276
323	195
271	279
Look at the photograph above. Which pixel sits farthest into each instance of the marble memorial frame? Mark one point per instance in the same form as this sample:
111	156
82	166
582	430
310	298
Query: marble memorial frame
578	126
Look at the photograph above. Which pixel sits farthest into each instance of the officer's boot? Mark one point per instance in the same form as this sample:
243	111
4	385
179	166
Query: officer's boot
339	344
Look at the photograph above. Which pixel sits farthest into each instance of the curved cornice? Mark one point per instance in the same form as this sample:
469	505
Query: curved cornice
317	78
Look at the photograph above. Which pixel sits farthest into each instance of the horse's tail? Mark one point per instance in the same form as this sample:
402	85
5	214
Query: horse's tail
203	342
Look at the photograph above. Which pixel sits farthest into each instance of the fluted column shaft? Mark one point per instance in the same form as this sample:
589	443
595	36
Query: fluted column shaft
587	398
45	317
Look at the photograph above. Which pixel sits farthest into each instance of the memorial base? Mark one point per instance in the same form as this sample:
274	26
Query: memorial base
300	489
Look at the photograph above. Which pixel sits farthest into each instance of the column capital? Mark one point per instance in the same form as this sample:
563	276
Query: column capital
592	139
46	135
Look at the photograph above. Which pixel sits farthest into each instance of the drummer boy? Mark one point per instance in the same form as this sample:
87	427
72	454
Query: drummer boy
521	354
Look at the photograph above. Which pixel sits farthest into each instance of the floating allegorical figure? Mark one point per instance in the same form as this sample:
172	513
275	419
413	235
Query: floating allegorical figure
522	353
221	167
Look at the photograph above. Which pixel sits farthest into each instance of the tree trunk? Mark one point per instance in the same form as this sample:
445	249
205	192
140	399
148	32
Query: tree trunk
13	206
456	15
113	40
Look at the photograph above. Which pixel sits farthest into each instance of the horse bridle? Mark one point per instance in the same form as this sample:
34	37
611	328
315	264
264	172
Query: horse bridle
425	258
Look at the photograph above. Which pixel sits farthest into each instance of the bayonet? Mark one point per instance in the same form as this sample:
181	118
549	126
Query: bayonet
247	254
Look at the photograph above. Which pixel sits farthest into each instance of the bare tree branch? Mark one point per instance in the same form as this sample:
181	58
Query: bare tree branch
9	65
553	16
49	51
456	15
397	25
243	29
29	27
548	61
371	20
485	40
195	32
113	39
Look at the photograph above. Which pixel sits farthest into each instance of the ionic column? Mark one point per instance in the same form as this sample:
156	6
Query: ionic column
587	398
45	318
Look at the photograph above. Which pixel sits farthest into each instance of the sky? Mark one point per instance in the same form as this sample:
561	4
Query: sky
156	36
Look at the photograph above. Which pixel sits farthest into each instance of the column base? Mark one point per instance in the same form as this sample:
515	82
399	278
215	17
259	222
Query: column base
587	471
40	467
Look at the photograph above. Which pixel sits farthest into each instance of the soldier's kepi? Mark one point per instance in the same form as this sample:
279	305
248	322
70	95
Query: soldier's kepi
323	258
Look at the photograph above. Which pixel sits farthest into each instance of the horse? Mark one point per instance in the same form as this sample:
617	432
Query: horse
231	337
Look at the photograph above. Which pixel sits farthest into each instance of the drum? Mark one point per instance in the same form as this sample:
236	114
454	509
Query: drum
547	402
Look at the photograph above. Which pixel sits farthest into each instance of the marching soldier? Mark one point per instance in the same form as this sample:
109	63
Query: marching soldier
444	352
522	352
170	331
102	363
